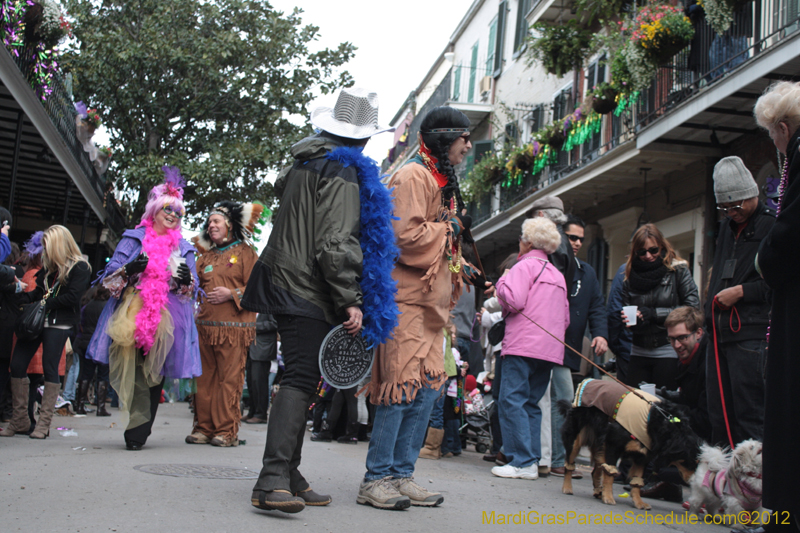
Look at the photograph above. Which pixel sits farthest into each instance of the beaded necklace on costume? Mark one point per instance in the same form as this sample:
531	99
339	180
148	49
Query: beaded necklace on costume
781	190
448	210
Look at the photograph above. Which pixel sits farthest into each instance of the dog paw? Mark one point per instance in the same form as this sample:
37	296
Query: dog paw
642	505
609	500
565	490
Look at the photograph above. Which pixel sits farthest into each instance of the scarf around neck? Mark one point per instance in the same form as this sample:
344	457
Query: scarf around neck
153	284
647	276
378	246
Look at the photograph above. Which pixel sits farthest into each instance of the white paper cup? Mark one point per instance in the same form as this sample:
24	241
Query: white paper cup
630	312
649	388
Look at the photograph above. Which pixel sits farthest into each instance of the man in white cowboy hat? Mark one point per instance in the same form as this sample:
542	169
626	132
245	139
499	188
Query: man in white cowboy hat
307	277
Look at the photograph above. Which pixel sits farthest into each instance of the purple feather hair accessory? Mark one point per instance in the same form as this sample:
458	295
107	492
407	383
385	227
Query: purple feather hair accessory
81	108
34	245
174	181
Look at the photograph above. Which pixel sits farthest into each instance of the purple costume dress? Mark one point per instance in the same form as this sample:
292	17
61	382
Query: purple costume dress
183	360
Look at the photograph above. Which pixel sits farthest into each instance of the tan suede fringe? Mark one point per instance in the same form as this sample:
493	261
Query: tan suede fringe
216	335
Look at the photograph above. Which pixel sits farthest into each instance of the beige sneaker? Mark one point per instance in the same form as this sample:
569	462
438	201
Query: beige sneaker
381	493
223	442
197	438
418	495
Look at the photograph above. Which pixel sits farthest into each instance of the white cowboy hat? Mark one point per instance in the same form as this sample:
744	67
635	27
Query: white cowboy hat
355	115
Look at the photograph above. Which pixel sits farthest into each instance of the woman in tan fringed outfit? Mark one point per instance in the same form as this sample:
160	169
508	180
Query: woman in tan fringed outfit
408	372
224	327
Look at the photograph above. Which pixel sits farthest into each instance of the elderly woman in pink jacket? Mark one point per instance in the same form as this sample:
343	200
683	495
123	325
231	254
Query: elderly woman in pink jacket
535	288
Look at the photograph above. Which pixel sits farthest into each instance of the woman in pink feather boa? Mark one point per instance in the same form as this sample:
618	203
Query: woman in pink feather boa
147	331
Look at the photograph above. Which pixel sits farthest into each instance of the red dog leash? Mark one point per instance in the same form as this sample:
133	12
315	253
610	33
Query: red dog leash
714	304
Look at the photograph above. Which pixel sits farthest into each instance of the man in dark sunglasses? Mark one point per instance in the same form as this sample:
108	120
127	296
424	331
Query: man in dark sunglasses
738	306
586	306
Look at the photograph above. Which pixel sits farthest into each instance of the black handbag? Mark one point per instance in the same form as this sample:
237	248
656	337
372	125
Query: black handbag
30	322
497	332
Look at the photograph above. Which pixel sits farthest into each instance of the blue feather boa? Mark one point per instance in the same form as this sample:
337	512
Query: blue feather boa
377	245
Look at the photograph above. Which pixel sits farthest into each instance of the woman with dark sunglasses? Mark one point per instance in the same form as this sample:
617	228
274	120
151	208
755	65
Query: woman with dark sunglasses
657	281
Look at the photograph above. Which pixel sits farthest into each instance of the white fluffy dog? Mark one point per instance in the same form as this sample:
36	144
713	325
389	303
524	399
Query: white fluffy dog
728	482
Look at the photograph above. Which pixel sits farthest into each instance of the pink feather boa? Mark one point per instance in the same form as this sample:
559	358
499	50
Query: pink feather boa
154	283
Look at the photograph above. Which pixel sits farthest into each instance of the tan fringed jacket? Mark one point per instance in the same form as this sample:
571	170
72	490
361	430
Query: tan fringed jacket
425	288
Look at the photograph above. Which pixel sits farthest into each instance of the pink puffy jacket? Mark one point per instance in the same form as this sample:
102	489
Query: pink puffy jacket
545	302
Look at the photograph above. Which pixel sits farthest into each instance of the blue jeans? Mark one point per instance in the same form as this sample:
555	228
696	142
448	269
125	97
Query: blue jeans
72	377
398	433
452	437
437	412
560	389
524	382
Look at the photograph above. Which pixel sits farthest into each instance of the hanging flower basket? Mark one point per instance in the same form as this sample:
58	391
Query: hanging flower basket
661	31
524	161
557	139
604	99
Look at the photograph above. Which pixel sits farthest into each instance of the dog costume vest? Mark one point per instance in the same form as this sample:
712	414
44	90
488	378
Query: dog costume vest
630	411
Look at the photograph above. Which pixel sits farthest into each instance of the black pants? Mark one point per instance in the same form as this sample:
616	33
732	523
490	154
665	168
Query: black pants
622	369
52	341
742	367
661	371
301	338
88	368
6	342
258	387
342	398
494	418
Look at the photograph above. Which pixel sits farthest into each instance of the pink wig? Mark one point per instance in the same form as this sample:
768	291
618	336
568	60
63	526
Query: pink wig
169	193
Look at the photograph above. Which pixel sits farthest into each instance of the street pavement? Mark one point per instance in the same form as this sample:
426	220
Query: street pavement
89	483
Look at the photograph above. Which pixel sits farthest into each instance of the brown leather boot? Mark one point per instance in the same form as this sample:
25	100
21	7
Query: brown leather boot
19	399
102	392
46	410
80	398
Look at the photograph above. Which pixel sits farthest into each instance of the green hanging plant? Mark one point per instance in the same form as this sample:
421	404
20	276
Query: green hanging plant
484	175
560	48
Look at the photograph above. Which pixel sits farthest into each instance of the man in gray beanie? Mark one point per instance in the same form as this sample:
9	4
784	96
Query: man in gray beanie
737	306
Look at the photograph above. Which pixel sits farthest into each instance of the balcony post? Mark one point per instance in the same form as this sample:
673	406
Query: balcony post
83	228
66	203
15	162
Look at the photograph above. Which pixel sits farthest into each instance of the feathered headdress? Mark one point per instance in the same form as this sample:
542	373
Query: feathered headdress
34	245
243	221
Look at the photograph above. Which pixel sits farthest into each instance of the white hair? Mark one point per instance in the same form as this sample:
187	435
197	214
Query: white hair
556	215
779	103
542	234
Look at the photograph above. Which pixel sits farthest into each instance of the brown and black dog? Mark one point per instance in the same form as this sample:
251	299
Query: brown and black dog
668	440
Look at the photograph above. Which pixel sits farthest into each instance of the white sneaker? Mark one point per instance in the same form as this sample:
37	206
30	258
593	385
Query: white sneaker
529	472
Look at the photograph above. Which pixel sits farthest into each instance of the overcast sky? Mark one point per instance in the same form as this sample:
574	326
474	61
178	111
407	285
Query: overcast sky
397	44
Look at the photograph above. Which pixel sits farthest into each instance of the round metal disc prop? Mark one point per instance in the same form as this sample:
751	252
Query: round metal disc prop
344	359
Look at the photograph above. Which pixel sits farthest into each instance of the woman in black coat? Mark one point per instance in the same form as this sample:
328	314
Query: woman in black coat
778	110
92	305
657	281
61	284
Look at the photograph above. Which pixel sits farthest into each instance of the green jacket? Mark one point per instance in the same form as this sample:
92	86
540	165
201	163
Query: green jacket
312	262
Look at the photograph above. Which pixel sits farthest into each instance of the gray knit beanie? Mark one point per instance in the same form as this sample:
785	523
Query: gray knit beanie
732	181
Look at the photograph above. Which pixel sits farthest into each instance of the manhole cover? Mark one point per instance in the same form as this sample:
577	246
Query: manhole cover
199	471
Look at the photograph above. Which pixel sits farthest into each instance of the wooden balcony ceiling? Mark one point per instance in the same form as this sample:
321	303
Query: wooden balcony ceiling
41	186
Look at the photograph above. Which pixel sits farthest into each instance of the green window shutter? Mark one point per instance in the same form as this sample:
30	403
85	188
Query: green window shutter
498	49
521	33
490	49
457	84
473	69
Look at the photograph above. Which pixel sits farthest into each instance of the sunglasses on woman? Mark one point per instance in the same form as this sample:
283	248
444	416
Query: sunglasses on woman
652	251
170	211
